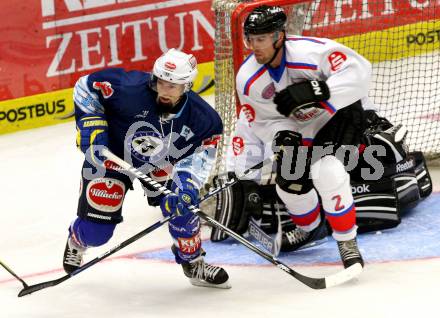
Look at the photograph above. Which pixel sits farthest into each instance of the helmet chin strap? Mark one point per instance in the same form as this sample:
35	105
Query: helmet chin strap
277	49
188	87
274	55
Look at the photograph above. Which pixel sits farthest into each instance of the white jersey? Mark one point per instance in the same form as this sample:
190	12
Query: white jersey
346	73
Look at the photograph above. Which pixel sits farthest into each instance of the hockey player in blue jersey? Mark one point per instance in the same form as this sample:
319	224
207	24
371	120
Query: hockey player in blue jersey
157	123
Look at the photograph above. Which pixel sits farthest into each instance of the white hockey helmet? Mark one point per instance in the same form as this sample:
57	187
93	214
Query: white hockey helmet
176	67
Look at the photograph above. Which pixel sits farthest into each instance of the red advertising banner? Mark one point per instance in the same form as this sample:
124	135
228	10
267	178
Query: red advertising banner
335	18
46	45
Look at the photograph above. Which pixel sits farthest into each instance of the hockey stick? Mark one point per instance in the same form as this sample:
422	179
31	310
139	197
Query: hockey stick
33	288
143	178
315	283
13	274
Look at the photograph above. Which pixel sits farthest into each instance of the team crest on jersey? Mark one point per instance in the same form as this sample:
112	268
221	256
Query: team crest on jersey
336	60
145	144
105	88
237	145
248	111
269	91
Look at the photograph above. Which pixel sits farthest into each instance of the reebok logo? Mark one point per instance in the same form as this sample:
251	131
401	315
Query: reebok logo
363	188
400	167
316	88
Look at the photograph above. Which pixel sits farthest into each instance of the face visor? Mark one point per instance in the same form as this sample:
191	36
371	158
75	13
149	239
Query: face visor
260	41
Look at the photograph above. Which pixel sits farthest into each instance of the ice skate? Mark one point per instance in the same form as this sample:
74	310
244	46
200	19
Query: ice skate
73	255
298	238
205	275
350	253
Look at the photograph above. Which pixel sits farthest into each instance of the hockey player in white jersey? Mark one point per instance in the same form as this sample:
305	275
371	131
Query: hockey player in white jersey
296	92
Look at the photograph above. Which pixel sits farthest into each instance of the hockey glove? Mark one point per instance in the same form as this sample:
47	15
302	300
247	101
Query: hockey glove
92	136
186	194
301	95
346	127
292	161
379	131
374	122
285	140
170	205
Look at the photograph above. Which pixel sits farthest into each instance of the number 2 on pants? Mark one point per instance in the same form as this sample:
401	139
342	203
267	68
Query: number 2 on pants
338	206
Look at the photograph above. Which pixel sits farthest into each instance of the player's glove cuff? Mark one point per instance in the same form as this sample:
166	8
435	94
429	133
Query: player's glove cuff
91	130
92	135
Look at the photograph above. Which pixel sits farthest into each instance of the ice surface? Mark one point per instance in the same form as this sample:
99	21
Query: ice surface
40	172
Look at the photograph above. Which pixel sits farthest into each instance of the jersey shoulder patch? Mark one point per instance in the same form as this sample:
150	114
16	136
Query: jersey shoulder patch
107	81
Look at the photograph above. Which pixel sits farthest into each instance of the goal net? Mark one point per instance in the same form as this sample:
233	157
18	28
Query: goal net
401	39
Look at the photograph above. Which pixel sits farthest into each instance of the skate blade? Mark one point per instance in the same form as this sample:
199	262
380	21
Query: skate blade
202	283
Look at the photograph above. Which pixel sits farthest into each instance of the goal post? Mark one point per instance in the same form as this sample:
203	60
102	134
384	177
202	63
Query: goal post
400	38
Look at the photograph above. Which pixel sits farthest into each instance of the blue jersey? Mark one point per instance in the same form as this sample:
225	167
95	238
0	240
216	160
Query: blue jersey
185	141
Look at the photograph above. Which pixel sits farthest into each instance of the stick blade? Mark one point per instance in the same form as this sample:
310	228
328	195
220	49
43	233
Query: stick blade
33	288
333	280
344	276
315	283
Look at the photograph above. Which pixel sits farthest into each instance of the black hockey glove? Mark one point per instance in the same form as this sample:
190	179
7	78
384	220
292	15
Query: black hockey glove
301	95
292	162
285	140
374	122
346	127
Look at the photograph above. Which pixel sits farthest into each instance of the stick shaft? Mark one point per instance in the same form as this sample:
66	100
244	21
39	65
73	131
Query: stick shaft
13	273
33	288
315	283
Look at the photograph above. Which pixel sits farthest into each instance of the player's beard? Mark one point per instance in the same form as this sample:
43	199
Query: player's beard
262	59
164	106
